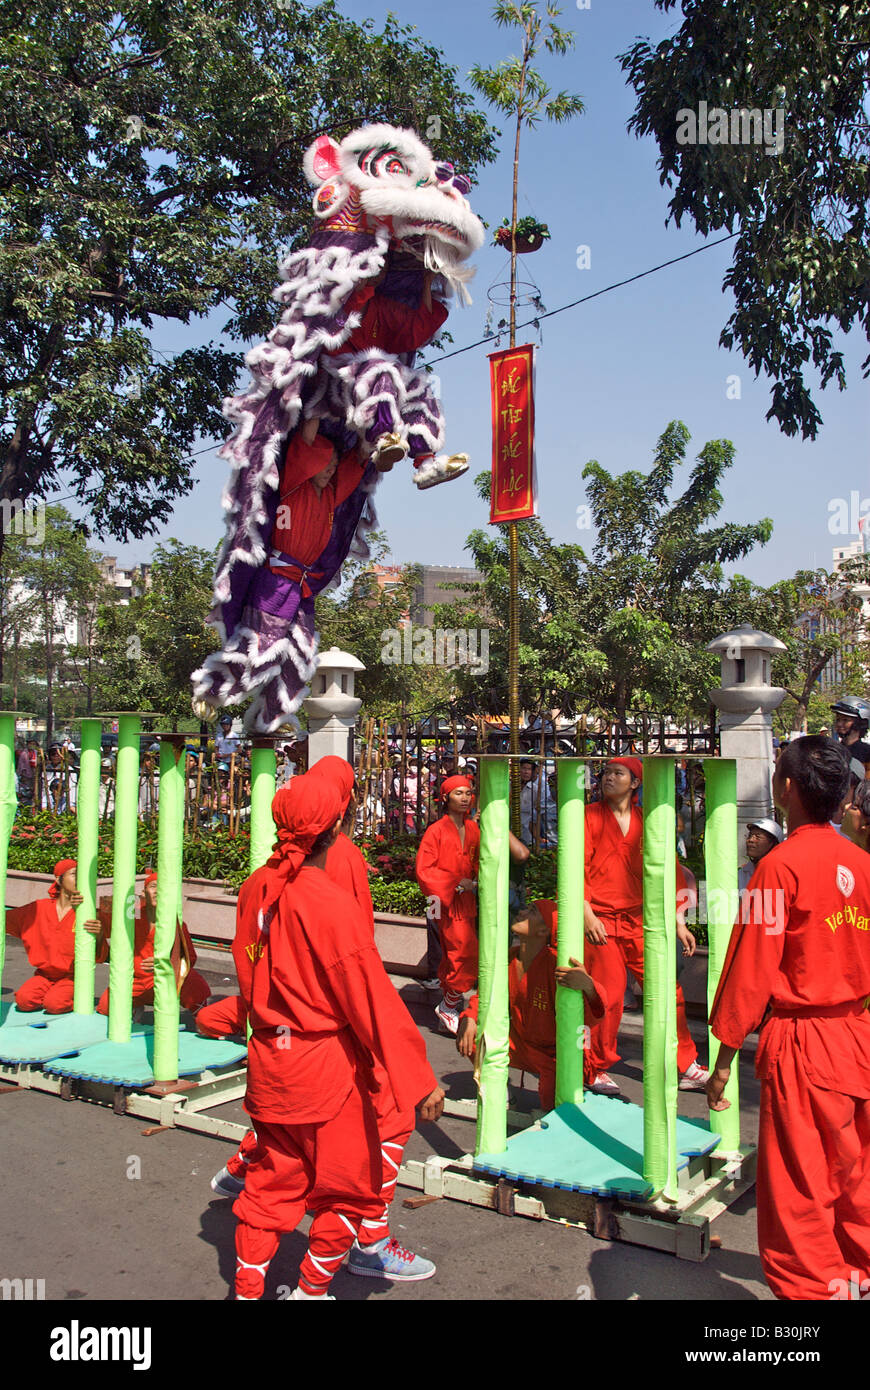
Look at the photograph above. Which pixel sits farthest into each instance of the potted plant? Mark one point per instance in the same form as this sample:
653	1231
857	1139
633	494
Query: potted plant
530	235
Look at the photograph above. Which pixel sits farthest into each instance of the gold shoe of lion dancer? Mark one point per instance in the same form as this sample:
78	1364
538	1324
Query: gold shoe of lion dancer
389	450
440	470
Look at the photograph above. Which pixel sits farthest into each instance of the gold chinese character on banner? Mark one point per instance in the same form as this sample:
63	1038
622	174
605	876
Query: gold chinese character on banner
510	384
511	415
511	450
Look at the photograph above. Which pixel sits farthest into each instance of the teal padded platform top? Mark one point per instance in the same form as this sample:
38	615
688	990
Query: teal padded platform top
12	1017
130	1064
52	1035
595	1148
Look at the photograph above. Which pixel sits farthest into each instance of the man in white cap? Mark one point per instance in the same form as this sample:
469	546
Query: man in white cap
761	837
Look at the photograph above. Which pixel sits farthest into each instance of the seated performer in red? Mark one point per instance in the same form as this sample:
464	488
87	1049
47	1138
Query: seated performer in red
321	1006
802	945
446	871
613	921
47	928
192	988
532	980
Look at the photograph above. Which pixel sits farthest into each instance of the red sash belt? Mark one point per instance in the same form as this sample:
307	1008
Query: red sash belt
851	1007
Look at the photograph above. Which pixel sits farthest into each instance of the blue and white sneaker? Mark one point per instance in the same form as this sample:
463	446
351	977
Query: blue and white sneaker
225	1185
387	1259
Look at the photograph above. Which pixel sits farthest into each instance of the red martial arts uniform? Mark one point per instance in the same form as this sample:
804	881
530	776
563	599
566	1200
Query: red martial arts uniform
442	863
304	518
614	890
346	866
50	946
532	995
222	1018
802	944
389	324
321	1007
194	990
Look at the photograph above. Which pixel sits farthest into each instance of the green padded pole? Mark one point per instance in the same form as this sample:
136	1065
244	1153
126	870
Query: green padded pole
493	1028
8	807
720	856
170	844
659	977
263	768
570	1030
124	879
88	814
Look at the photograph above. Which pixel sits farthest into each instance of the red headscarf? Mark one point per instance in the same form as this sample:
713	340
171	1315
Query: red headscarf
547	909
302	810
452	784
150	877
60	869
340	775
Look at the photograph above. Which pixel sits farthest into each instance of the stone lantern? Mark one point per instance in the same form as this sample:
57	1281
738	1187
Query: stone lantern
332	707
745	701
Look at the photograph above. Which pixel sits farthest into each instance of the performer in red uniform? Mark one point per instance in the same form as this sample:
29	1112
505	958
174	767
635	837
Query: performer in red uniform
532	980
314	483
47	928
193	989
320	1006
613	921
802	945
446	870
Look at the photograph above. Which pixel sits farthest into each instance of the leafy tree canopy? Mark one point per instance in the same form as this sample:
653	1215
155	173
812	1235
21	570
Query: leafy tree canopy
150	170
801	263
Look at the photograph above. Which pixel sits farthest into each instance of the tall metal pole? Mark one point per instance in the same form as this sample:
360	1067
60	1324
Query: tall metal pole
170	846
8	807
88	813
720	862
493	1037
571	1032
124	879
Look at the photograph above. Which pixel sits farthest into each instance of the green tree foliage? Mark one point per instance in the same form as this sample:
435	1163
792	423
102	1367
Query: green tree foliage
819	617
150	170
53	584
801	260
624	628
150	647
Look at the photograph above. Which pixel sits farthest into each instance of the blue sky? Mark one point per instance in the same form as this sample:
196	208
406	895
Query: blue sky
611	373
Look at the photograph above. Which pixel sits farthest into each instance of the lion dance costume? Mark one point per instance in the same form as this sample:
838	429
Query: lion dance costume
366	293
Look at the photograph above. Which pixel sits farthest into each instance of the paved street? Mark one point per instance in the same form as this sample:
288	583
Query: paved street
165	1236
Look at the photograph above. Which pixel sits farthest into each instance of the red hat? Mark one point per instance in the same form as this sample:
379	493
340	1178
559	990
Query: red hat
301	811
150	877
339	773
452	784
60	869
634	765
547	909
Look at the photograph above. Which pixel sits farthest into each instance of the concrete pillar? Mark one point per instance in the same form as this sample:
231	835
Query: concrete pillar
332	707
745	701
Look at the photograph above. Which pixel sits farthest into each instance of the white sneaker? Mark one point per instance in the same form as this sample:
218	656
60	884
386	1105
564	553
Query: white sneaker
448	1015
694	1078
299	1294
440	470
604	1085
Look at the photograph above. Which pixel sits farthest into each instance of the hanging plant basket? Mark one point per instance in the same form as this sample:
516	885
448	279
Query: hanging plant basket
530	235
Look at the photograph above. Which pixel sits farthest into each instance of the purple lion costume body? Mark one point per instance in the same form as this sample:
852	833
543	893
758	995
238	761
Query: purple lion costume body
386	207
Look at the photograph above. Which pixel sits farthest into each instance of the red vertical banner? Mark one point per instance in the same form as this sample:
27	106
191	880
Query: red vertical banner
512	376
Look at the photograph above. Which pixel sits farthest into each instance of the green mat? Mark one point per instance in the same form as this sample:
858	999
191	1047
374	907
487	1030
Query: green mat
131	1063
59	1035
595	1148
12	1017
